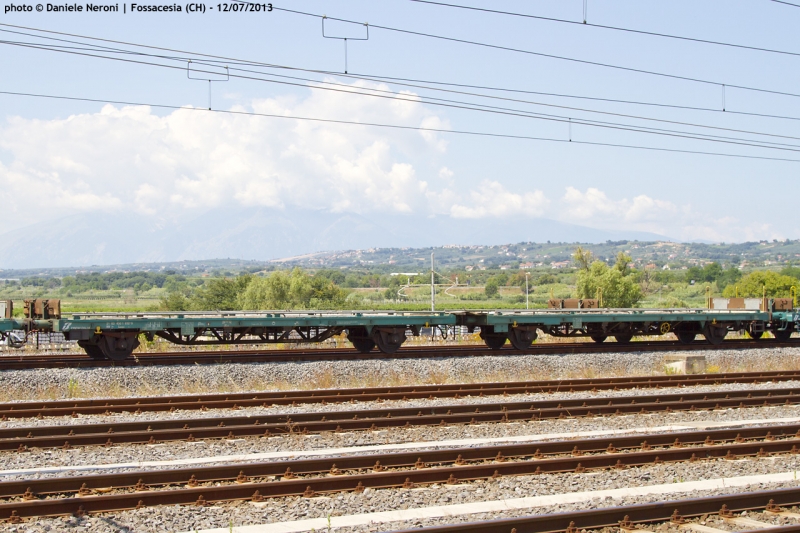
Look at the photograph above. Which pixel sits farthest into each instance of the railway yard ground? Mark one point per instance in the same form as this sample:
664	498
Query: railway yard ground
391	444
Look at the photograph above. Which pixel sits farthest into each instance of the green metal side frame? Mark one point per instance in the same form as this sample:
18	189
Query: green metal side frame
187	323
8	324
577	318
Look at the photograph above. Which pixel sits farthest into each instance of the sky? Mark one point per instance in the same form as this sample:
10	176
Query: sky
147	145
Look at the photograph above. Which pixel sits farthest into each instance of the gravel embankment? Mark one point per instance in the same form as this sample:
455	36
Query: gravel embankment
171	451
127	382
420	403
145	381
189	518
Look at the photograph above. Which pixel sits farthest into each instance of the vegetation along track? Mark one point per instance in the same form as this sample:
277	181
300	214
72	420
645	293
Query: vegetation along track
310	477
646	517
299	397
154	431
321	354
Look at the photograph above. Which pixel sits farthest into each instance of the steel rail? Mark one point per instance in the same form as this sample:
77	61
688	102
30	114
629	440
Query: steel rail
245	487
217	357
151	432
235	400
747	441
627	517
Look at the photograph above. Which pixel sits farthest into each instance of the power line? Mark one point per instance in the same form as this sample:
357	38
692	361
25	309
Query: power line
400	81
615	28
786	3
516	113
512	110
542	54
397	126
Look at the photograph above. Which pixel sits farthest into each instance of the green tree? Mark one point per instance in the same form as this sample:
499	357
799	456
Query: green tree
271	292
221	294
623	260
618	289
712	272
491	289
174	301
583	258
753	285
729	276
791	271
547	279
295	289
694	273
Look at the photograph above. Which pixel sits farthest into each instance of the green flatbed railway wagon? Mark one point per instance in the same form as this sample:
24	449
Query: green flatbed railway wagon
116	335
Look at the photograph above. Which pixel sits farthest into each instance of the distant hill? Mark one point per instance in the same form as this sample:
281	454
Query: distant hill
263	234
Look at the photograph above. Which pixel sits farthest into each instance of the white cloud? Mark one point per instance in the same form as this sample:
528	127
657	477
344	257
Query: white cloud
433	137
491	199
643	213
594	205
131	159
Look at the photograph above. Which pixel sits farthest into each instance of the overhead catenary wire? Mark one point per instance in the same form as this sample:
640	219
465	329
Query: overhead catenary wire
394	96
514	111
426	87
398	126
116	50
542	54
786	3
607	27
470	106
400	80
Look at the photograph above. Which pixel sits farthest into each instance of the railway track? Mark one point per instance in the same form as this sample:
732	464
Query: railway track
311	477
233	427
299	397
319	354
677	514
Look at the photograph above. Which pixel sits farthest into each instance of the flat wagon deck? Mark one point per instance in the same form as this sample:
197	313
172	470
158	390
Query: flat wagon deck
116	335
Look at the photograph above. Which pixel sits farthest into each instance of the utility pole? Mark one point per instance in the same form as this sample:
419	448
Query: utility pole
433	287
526	290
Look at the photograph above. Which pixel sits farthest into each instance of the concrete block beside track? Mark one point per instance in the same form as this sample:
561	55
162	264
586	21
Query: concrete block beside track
685	364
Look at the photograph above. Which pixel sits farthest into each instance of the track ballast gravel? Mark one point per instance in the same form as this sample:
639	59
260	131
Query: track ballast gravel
275	376
144	381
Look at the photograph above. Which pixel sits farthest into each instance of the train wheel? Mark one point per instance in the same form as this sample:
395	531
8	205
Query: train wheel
493	340
521	339
92	350
623	339
599	338
360	340
715	334
685	337
389	340
755	330
362	344
782	336
118	348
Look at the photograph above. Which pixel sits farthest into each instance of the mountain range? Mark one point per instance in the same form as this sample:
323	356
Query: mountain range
264	234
